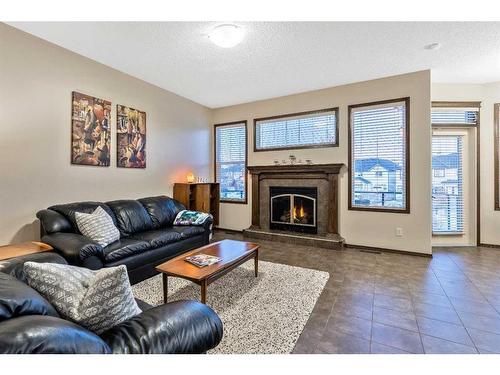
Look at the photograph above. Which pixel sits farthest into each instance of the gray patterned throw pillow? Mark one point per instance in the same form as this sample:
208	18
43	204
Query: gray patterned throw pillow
98	226
97	300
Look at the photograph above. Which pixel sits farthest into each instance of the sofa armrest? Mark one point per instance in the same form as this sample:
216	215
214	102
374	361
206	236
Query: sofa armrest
181	327
208	225
75	248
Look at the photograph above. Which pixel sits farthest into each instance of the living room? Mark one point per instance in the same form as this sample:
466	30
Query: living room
242	187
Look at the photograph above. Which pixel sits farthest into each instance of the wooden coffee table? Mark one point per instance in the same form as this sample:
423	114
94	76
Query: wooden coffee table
233	254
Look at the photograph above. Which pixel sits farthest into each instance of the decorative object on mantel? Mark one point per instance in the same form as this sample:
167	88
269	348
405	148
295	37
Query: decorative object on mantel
293	159
190	178
90	130
199	196
130	137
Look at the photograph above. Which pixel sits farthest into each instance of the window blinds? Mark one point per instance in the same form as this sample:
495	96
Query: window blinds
378	156
447	184
313	129
230	161
454	116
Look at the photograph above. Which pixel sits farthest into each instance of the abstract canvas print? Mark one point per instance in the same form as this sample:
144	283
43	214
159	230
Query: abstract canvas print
90	130
131	137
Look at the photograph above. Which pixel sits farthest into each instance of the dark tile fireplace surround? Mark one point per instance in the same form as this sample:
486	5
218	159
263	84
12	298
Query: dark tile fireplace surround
296	204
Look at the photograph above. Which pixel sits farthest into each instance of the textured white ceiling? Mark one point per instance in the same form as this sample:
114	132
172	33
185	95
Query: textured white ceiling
279	58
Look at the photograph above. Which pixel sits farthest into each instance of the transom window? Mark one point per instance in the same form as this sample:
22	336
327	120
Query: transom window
379	156
299	130
231	161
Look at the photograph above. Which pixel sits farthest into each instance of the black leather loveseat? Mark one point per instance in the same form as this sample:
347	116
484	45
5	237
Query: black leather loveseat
30	324
148	236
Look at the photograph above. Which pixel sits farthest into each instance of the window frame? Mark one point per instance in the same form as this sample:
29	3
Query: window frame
496	126
406	209
243	122
320	145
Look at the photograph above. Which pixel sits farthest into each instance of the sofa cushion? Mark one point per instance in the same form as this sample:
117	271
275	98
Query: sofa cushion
97	300
131	216
17	299
69	210
98	226
37	334
159	237
187	232
123	248
162	210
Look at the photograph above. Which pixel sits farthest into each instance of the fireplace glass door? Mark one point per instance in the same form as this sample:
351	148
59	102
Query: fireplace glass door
293	209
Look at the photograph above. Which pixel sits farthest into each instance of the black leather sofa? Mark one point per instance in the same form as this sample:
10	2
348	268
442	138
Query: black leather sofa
148	237
30	324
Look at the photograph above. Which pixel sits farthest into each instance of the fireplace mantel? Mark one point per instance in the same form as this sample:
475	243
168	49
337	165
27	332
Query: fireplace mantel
322	172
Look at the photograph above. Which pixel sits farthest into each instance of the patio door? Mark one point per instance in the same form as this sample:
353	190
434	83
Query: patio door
453	187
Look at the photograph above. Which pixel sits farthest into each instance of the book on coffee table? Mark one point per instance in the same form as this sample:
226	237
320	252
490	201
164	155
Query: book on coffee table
202	260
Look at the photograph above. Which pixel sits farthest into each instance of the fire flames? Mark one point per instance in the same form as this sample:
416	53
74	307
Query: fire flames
298	213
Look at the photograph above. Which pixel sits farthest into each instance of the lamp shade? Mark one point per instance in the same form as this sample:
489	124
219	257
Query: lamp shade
190	178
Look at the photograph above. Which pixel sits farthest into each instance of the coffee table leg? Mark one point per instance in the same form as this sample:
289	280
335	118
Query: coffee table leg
256	260
165	287
204	291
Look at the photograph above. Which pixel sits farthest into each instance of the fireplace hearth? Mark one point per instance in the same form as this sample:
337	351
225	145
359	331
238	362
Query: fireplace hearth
293	208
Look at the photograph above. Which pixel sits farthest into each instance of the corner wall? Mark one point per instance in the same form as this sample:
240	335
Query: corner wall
36	81
360	228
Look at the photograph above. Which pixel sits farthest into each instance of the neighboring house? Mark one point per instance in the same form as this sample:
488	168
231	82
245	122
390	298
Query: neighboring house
374	175
445	169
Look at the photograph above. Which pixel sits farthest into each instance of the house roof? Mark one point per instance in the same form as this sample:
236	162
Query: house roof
366	165
446	161
363	180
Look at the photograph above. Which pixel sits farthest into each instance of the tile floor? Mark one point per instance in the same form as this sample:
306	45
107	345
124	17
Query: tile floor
393	303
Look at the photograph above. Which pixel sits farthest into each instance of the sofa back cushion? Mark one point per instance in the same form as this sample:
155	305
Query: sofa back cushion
131	217
18	299
162	210
69	210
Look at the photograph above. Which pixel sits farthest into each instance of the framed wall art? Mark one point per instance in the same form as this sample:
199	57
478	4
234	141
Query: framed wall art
90	130
130	137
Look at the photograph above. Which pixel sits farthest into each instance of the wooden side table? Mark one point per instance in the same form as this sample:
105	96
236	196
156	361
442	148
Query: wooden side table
24	248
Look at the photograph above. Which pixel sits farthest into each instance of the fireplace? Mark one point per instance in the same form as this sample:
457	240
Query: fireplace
293	208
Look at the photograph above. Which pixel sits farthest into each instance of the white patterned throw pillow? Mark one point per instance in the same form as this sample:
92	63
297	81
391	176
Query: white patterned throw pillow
98	226
97	300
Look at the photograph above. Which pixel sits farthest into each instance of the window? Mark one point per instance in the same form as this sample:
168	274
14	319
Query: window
447	186
299	130
451	116
379	156
231	161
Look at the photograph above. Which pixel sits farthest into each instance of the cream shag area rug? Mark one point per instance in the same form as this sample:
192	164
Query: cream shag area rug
260	315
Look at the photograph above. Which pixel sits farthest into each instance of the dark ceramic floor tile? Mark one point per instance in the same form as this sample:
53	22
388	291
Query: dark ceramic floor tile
400	319
485	340
483	323
377	348
465	305
444	330
350	324
342	343
434	345
446	314
396	337
431	299
350	310
393	303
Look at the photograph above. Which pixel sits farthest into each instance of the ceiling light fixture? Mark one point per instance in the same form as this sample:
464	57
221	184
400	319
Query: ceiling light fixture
226	35
433	46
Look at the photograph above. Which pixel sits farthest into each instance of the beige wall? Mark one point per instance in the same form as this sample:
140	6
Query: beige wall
36	81
487	94
361	228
